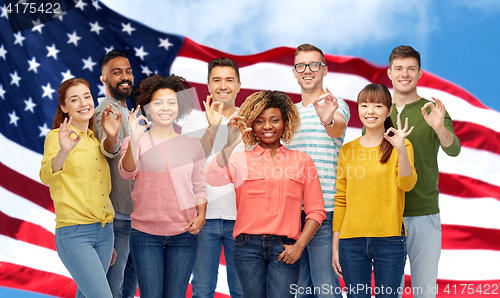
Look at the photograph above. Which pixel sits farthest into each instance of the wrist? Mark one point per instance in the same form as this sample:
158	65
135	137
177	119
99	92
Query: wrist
326	124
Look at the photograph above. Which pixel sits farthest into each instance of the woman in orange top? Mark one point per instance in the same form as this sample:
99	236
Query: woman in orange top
271	183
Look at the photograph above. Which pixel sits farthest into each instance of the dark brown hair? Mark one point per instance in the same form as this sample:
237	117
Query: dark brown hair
404	52
63	89
144	92
307	48
223	62
378	93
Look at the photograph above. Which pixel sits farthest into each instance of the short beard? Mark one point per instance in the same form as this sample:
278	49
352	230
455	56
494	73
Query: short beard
116	93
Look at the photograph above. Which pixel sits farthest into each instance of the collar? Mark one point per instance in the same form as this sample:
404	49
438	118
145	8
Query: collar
89	133
259	150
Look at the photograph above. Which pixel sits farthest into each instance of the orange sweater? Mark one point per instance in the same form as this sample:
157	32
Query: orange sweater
370	195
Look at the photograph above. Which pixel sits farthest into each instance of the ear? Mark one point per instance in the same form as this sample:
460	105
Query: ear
419	73
325	72
102	78
389	73
390	111
63	108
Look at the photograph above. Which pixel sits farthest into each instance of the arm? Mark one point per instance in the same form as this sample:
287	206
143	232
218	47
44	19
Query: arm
111	126
293	252
436	120
66	144
237	129
326	108
200	191
335	254
398	141
214	119
136	132
194	226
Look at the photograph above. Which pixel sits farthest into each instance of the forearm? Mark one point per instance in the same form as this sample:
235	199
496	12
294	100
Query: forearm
405	168
207	140
310	228
336	130
111	145
201	207
445	137
129	160
222	157
58	161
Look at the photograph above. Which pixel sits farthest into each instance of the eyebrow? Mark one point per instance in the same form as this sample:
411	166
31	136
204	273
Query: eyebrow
223	78
119	68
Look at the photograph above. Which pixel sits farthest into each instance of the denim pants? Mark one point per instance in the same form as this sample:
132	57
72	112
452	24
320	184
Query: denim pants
163	263
121	276
387	256
260	273
424	250
317	277
215	234
86	251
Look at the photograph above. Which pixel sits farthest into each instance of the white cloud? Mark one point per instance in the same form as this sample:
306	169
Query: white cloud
246	27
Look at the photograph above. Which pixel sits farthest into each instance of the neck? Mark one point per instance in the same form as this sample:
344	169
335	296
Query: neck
81	126
401	99
373	137
309	95
123	102
227	112
163	132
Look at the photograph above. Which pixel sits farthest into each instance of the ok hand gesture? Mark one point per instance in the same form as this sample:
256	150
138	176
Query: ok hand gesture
213	111
436	118
237	129
66	142
137	130
326	109
109	124
398	138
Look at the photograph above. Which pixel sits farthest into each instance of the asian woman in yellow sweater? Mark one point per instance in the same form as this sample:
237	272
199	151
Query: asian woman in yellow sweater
368	218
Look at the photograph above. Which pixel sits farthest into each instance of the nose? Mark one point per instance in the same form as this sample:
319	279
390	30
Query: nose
267	125
223	84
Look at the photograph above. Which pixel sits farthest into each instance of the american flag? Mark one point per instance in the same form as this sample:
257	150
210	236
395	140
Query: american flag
35	61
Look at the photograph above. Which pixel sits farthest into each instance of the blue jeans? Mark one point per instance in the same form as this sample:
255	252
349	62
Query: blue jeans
387	256
256	261
86	251
215	234
317	277
424	249
121	284
163	263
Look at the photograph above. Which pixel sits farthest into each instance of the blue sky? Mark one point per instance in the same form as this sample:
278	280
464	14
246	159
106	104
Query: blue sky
459	40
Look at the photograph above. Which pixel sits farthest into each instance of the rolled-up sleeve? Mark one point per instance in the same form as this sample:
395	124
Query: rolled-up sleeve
124	173
51	147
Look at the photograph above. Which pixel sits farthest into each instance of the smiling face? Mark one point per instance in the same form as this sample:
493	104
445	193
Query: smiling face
404	74
223	84
117	77
79	105
163	107
373	114
310	80
268	127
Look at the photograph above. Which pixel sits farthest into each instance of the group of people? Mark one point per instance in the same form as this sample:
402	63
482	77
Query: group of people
140	204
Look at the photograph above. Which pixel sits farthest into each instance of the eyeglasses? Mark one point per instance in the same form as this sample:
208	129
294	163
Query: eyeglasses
313	66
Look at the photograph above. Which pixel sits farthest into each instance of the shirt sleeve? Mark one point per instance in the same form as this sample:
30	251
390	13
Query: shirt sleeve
50	150
344	110
340	197
407	183
191	129
124	173
314	204
455	147
215	175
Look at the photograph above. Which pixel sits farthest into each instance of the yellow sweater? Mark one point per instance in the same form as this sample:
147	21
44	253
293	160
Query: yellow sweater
370	195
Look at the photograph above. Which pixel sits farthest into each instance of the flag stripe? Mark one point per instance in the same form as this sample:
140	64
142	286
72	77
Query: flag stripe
467	187
466	237
26	231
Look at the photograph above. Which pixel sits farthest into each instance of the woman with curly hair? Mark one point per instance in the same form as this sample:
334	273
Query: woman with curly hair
78	178
271	183
169	194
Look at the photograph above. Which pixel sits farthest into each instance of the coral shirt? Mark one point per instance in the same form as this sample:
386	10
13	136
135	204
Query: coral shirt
269	197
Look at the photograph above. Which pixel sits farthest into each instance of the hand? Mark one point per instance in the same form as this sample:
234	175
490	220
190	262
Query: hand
66	142
137	130
110	124
237	129
326	109
336	263
113	258
194	226
291	254
213	111
398	138
436	118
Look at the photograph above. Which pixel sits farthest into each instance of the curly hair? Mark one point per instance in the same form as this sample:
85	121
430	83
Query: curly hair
61	99
257	102
143	92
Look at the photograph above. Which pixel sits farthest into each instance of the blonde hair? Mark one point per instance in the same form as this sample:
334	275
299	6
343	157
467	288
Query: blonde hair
257	102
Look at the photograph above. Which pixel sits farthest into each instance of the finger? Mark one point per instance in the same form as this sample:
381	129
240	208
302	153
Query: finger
221	107
409	131
406	125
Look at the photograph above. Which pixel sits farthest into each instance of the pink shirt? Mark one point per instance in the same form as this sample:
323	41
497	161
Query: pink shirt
169	179
269	198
